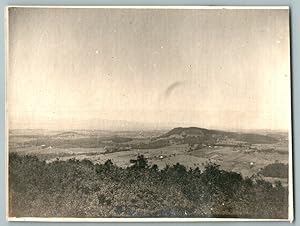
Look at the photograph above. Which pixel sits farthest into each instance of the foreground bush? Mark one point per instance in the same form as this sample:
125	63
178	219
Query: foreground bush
82	189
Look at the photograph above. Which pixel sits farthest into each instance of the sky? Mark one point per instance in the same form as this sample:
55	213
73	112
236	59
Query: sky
108	68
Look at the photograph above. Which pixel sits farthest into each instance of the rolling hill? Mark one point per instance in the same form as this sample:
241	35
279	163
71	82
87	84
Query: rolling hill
202	135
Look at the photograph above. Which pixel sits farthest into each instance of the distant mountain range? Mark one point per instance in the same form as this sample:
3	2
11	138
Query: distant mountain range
125	140
91	124
117	125
188	135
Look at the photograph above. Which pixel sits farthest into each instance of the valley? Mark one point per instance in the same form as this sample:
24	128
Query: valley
193	147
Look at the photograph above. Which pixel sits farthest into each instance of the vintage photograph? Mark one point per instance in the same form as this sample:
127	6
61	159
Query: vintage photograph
148	113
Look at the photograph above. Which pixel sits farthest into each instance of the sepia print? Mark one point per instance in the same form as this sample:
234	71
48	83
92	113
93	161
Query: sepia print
148	113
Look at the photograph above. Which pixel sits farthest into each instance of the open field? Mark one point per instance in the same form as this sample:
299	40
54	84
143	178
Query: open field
192	148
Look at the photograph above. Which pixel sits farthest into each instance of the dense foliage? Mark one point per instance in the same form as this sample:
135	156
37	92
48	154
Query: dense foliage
82	189
279	170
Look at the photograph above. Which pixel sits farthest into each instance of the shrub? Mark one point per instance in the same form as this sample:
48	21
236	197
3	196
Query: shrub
279	170
140	163
81	189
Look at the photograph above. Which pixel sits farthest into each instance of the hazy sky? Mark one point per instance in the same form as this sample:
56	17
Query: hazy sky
208	68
